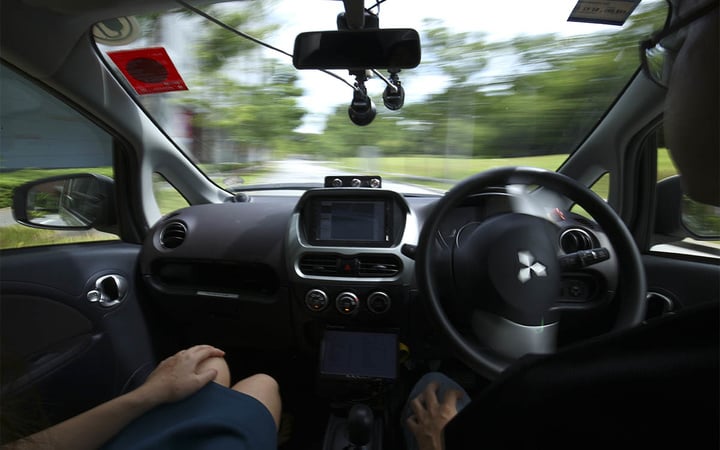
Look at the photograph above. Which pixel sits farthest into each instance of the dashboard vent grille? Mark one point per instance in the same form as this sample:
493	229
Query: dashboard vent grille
576	239
173	235
378	266
331	265
318	264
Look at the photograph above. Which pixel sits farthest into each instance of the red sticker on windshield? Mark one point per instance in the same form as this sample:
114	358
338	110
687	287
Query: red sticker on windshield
149	70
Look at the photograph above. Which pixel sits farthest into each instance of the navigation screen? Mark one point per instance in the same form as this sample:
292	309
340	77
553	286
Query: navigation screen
352	354
351	221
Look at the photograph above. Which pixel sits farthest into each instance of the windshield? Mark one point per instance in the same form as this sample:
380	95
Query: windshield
499	83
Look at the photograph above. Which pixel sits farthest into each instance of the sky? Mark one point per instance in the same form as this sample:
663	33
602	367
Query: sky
499	19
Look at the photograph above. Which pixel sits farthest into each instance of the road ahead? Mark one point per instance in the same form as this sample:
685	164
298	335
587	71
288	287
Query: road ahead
299	171
304	172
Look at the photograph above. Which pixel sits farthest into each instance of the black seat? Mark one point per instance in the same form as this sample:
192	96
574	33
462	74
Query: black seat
653	386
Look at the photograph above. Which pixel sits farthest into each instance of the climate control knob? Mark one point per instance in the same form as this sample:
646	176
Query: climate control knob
378	302
346	303
316	300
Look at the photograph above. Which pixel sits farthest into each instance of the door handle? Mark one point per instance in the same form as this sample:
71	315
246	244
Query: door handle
109	290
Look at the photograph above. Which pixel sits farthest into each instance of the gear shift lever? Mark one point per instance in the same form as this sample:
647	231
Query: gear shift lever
359	425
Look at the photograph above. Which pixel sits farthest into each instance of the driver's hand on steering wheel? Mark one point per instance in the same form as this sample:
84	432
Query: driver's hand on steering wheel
430	415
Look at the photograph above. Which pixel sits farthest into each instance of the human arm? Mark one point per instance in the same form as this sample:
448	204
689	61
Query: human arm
174	379
430	416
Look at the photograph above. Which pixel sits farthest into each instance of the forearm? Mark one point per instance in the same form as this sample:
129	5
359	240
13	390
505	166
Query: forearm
174	379
93	428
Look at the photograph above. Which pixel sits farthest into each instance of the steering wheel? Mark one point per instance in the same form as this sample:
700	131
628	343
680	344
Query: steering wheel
508	271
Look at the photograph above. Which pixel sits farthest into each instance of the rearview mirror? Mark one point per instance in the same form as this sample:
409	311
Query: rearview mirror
397	48
66	202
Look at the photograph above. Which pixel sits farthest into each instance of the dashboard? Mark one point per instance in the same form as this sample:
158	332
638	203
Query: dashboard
279	271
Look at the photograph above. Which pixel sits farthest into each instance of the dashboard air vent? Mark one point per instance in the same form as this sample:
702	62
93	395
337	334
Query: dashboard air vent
331	265
173	234
319	264
576	239
378	266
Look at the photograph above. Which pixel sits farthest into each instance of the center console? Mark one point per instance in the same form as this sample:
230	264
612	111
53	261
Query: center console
345	261
351	288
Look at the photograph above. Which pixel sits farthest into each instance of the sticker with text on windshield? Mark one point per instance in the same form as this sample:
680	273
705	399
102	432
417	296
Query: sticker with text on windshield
609	12
149	70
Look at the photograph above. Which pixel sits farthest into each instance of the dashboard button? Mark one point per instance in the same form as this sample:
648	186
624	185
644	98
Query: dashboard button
316	300
346	303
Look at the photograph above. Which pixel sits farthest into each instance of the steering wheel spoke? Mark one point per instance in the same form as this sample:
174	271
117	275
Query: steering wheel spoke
512	339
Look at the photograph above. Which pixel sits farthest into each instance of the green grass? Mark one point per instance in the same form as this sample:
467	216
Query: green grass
19	236
665	166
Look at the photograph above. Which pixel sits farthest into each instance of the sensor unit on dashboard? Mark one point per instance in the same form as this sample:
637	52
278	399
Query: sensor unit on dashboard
370	181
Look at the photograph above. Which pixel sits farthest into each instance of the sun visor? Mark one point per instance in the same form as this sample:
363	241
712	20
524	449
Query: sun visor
608	12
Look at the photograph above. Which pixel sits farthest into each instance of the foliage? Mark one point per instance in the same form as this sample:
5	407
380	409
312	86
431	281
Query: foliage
536	106
257	115
521	97
254	108
218	47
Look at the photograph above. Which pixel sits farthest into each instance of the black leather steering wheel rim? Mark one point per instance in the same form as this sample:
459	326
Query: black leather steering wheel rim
632	288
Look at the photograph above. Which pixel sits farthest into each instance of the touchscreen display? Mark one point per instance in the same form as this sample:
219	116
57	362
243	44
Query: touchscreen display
352	354
351	221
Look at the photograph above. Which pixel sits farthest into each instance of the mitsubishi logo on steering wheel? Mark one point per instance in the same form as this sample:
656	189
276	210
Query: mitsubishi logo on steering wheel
530	267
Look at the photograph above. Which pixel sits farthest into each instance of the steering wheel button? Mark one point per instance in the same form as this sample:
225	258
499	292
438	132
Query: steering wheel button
576	290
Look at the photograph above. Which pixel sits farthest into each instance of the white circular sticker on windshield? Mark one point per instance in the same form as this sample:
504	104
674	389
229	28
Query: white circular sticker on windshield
120	31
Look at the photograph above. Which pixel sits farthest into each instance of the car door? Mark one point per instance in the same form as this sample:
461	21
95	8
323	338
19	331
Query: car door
72	331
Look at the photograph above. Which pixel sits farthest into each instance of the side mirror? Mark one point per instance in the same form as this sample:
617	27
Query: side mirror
67	202
394	48
678	216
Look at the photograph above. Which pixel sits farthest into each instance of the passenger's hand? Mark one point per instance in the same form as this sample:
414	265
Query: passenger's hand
430	416
177	377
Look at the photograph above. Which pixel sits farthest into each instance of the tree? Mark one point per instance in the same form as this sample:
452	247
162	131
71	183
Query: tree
537	104
253	109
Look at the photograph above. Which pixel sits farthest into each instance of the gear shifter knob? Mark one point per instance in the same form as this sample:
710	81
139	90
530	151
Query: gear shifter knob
359	425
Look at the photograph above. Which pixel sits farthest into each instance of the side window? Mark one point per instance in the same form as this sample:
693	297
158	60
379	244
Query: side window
40	137
682	226
601	187
167	197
